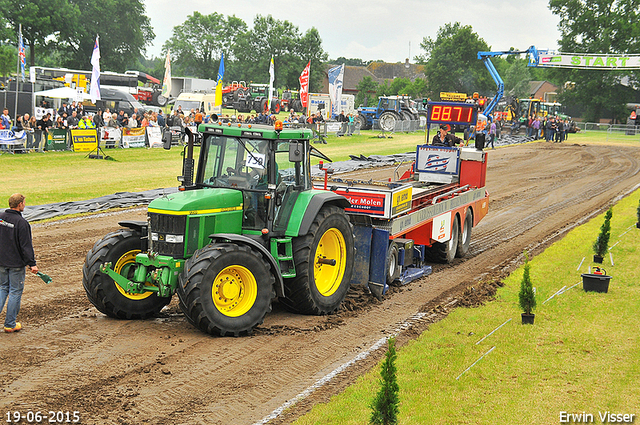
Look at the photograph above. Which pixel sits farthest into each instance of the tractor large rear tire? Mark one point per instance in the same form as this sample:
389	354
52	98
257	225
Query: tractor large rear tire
120	249
445	252
387	121
321	288
226	289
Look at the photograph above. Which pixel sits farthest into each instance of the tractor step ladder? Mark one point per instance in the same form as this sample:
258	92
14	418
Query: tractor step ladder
282	250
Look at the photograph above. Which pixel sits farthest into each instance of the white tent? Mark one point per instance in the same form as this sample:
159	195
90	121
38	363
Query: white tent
63	93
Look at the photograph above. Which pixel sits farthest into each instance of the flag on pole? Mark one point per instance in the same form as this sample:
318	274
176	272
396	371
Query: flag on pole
218	101
21	53
336	77
94	91
304	85
166	82
271	78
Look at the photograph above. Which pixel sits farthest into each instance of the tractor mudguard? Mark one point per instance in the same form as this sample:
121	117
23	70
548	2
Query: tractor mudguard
319	199
241	239
141	227
138	226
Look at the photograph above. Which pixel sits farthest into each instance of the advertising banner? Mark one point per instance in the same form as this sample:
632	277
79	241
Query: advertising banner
154	135
437	159
84	140
336	77
110	137
589	61
57	140
133	137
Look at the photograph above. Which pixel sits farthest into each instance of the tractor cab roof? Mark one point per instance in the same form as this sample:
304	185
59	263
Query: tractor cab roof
255	131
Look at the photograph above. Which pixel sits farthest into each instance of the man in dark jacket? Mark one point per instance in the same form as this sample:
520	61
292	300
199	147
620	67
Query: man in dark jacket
443	138
16	252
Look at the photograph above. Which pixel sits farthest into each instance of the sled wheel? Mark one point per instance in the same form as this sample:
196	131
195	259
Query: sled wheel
445	252
120	249
226	289
392	266
464	238
321	285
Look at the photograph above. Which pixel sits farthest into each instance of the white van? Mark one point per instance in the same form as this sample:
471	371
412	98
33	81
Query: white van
203	101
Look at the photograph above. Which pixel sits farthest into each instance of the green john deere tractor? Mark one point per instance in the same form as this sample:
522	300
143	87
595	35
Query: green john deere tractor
248	229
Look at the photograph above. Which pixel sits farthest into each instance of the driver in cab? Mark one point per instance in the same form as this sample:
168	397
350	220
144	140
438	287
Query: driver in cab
443	138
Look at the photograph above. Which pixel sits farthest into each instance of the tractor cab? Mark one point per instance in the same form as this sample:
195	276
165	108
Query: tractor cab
269	167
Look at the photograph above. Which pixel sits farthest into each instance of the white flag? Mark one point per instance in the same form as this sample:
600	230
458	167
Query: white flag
336	77
94	91
166	82
271	78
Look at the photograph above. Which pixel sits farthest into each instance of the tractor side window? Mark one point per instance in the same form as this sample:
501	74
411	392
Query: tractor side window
291	178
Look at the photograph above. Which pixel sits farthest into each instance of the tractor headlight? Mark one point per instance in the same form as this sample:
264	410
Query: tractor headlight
167	238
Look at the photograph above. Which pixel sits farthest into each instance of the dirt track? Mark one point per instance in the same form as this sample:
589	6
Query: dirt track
163	371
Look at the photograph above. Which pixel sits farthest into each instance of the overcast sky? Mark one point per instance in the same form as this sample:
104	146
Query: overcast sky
390	30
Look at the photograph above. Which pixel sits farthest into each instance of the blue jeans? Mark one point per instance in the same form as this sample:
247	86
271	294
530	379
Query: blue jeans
11	286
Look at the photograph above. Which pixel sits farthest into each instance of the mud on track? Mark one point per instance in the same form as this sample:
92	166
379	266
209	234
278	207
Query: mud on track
69	357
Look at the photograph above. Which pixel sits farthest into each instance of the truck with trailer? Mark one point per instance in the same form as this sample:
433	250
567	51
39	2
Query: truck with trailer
250	225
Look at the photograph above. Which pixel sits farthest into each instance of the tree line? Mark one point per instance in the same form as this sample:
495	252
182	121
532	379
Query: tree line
60	33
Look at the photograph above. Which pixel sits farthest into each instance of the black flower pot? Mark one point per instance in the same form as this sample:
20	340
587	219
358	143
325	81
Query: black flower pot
638	225
527	319
598	259
595	282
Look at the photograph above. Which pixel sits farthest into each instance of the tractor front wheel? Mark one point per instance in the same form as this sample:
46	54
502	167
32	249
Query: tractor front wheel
120	249
226	289
324	262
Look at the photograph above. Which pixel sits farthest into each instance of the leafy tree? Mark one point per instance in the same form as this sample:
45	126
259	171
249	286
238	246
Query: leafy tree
384	408
122	26
451	61
517	78
291	51
350	62
603	26
8	60
40	20
198	43
366	91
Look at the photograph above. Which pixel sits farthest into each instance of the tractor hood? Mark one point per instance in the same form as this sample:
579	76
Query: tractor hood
200	201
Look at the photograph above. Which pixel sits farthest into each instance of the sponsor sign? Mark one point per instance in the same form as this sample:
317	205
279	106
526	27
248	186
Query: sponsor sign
441	228
401	201
154	135
589	61
84	140
370	202
438	160
111	137
134	137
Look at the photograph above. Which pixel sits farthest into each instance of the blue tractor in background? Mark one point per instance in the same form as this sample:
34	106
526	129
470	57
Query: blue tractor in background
390	111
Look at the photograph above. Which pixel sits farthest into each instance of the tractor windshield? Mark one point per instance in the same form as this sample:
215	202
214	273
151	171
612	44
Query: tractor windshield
234	162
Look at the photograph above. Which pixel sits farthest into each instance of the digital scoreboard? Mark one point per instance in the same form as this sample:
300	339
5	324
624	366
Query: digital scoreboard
452	113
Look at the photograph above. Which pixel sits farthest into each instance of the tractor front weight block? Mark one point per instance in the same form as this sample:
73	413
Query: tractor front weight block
153	273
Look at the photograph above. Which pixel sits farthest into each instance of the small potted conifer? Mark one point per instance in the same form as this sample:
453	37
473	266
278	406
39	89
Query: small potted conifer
638	215
601	244
526	296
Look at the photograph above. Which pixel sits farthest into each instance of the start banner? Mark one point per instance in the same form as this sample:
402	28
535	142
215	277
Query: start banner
134	137
84	140
588	61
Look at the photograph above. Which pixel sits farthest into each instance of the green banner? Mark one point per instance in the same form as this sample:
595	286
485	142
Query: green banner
57	140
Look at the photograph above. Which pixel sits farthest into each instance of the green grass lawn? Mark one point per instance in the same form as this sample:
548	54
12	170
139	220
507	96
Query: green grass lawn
582	354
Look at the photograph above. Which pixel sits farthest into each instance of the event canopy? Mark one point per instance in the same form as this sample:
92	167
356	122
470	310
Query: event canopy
63	93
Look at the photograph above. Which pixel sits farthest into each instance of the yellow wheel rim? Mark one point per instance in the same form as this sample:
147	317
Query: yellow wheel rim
234	291
328	277
123	267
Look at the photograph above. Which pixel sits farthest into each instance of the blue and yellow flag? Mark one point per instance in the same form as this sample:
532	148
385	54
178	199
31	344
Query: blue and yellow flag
219	81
